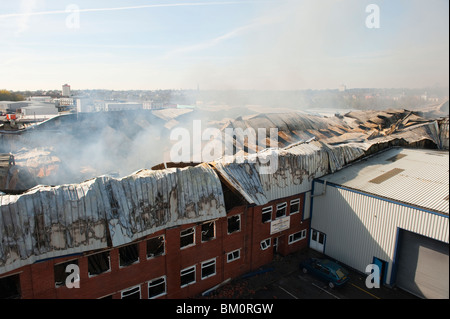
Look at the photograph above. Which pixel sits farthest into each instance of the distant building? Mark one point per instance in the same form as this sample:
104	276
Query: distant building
65	104
127	106
84	105
40	109
12	107
342	88
66	90
40	99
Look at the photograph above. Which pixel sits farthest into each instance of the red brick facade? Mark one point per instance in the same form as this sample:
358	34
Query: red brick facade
205	263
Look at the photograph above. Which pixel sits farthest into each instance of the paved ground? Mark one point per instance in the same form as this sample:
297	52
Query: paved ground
282	279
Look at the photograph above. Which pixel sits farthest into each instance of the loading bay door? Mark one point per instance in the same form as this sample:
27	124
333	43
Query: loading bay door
422	266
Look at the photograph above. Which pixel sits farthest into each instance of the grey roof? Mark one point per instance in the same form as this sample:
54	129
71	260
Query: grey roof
418	177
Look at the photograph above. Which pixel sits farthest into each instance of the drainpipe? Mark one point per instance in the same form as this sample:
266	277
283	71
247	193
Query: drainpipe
323	192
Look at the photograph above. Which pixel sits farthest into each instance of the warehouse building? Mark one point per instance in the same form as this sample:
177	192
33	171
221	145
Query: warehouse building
178	231
165	234
390	210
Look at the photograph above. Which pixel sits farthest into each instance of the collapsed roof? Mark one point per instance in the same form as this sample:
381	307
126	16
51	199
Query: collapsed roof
47	222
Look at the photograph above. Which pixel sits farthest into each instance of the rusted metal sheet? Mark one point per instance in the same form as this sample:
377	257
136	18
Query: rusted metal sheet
355	126
298	164
444	133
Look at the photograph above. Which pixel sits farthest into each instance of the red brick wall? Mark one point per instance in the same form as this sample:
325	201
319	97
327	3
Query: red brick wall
261	231
37	280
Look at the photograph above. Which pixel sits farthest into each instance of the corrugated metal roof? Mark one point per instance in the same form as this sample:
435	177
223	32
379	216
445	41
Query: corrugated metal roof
49	221
148	201
298	164
424	181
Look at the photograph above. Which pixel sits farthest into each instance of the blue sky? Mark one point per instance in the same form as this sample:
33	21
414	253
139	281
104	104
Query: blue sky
267	44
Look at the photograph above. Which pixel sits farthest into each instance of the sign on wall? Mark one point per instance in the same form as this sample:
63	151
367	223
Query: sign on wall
280	224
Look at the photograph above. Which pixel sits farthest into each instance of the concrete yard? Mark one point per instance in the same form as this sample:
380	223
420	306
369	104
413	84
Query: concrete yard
283	279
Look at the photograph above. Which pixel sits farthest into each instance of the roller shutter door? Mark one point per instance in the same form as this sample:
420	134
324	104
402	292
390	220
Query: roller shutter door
422	266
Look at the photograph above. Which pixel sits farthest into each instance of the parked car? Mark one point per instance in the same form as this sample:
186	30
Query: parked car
334	274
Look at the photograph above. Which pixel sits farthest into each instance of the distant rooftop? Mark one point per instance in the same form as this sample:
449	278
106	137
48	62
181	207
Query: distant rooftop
418	177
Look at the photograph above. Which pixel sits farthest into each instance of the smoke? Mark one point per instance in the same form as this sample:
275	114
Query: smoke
76	147
323	44
90	145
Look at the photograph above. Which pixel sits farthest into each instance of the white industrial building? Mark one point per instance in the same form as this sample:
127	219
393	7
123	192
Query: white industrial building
11	106
391	210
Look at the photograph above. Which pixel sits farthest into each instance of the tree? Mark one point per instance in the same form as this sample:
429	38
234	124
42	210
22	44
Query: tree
6	95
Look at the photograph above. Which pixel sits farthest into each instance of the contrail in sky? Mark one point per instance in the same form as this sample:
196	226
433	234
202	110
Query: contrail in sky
12	15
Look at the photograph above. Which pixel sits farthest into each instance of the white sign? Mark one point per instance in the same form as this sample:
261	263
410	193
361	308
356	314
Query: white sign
280	224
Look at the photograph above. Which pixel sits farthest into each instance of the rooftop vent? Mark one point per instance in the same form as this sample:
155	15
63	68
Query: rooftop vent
396	157
383	177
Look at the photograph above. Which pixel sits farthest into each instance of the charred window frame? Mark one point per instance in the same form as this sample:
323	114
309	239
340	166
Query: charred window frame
187	276
131	293
266	214
234	224
10	287
294	206
155	247
98	263
59	271
281	210
265	244
208	231
128	255
208	268
187	237
157	287
235	254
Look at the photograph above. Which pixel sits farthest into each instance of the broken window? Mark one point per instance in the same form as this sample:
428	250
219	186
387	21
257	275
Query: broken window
128	255
187	237
266	215
155	247
131	293
10	287
98	263
295	206
265	244
208	231
208	268
61	274
157	287
234	224
281	210
187	276
236	254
